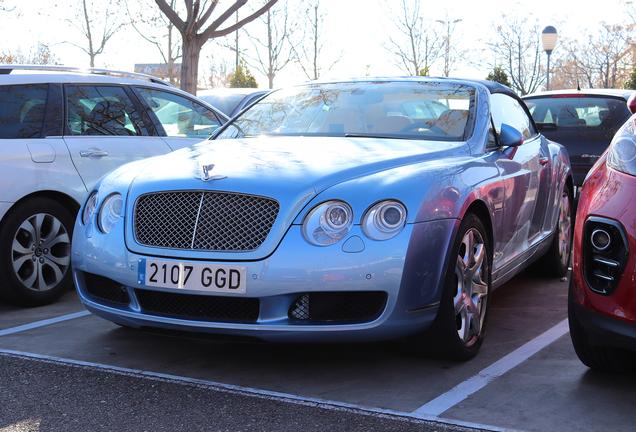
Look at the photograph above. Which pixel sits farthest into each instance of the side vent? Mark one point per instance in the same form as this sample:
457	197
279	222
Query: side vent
605	254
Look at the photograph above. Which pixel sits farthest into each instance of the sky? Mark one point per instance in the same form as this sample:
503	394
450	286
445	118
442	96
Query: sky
353	27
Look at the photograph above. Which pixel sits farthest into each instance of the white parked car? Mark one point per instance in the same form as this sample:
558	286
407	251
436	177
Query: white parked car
61	129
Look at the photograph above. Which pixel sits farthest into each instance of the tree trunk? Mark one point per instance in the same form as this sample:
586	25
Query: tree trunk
190	65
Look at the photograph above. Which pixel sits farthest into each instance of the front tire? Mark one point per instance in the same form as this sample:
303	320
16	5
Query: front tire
460	325
35	253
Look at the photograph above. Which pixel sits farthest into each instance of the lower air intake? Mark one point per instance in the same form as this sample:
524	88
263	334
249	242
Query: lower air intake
338	306
106	289
199	306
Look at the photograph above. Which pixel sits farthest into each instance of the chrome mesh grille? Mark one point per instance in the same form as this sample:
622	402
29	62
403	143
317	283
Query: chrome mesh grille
199	220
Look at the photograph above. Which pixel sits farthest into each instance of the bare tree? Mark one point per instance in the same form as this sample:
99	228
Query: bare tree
518	51
308	56
219	74
566	72
603	60
279	46
157	30
197	13
97	24
414	46
40	55
609	54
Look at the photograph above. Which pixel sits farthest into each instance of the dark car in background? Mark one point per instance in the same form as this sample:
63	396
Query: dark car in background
602	304
231	101
584	121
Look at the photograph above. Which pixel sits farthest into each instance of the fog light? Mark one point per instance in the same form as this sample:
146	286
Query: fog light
601	239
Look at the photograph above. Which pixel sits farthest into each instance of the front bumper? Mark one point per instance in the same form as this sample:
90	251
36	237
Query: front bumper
606	310
363	290
605	331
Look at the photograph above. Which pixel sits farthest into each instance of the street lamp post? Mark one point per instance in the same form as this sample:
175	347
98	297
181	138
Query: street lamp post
549	40
447	44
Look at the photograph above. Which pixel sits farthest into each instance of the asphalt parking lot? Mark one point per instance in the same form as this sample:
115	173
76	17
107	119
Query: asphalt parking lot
64	369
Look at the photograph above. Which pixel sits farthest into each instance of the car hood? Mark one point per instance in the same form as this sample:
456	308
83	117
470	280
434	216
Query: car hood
291	170
315	162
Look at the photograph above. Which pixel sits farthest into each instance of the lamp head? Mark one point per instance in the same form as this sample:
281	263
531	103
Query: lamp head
549	39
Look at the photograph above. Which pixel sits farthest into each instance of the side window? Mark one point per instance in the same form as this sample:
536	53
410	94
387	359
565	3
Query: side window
180	116
102	110
507	110
22	109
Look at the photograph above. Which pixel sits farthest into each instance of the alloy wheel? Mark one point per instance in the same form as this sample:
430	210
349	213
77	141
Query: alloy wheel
41	252
470	300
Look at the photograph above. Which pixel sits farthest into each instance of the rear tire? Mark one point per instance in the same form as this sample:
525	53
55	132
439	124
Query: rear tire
557	259
460	325
35	253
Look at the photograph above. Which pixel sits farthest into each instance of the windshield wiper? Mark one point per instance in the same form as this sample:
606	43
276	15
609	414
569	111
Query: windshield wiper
361	135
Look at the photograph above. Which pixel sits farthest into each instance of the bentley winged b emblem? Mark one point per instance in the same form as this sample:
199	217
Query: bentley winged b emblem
206	174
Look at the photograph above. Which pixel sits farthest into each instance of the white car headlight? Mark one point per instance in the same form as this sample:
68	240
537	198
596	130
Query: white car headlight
622	155
384	220
110	212
328	223
89	207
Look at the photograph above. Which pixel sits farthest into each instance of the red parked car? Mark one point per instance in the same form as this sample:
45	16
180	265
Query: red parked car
602	297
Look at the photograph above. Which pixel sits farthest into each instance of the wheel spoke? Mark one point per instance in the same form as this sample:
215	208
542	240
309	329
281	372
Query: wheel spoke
62	261
61	238
19	248
474	327
28	227
59	274
460	274
40	219
29	281
19	262
41	285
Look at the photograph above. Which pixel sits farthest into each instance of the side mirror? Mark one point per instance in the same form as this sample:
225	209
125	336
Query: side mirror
631	103
510	136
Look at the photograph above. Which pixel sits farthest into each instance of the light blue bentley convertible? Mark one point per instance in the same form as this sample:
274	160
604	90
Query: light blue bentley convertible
353	210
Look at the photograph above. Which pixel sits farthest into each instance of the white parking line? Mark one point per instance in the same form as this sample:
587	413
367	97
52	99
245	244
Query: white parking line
451	398
43	323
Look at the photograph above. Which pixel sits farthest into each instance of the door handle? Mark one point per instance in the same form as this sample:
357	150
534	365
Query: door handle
543	161
93	153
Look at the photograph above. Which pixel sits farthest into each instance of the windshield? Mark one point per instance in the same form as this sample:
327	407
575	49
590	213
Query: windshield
411	110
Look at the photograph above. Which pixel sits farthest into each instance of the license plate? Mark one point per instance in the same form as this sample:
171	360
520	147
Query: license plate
195	276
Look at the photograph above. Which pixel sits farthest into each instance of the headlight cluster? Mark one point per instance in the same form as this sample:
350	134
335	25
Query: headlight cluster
331	221
328	223
622	155
384	220
109	212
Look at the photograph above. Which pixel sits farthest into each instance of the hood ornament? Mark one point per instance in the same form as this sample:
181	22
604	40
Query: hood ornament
206	174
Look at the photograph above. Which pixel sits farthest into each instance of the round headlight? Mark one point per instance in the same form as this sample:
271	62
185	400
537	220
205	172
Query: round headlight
335	217
622	155
384	220
89	207
110	212
328	223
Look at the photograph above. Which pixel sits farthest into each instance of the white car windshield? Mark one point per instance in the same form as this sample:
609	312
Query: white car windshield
395	109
